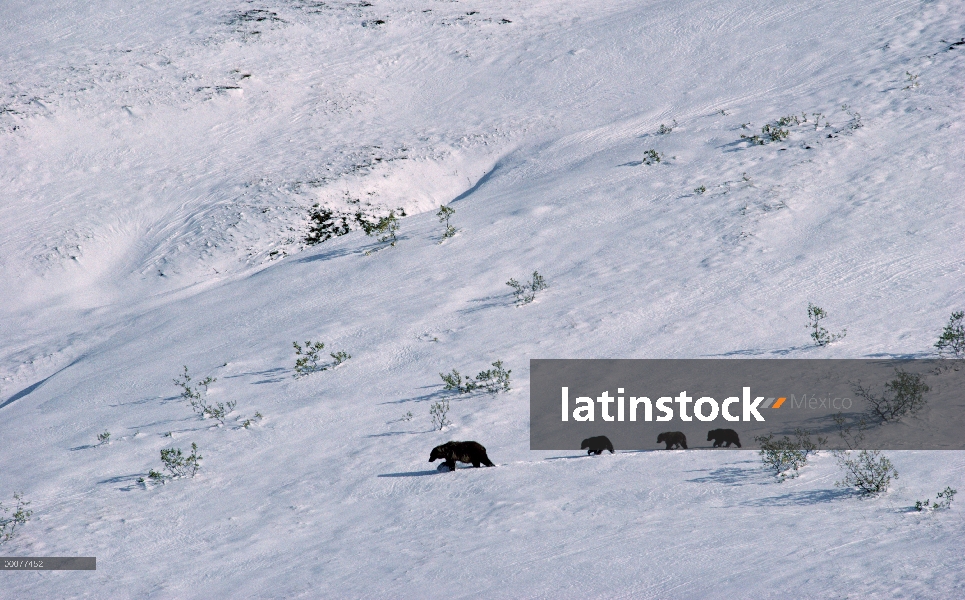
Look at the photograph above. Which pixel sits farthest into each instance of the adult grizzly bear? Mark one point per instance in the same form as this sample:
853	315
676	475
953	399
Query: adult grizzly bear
724	437
597	445
673	438
464	452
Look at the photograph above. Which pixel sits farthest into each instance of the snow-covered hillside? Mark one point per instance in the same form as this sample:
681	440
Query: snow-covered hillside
158	165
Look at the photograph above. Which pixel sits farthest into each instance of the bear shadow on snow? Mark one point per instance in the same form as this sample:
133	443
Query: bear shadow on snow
724	437
672	439
597	445
464	452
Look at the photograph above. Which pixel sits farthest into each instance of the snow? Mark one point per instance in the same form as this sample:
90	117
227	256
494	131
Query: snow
158	162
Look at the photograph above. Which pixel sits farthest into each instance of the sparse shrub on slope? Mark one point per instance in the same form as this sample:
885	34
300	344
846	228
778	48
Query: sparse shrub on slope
866	472
785	456
445	212
819	334
904	396
249	422
324	224
339	357
18	518
179	465
493	380
527	293
197	398
439	412
855	122
176	464
779	130
651	157
307	356
383	228
912	81
943	501
951	343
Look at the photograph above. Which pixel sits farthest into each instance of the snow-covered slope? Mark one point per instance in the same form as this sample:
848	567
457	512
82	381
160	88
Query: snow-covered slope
158	164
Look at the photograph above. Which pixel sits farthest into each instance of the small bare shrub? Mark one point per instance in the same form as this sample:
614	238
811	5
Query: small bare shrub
493	380
445	212
339	357
775	134
249	422
324	224
527	293
383	227
197	398
651	157
19	518
439	411
306	361
866	472
307	357
942	502
176	464
786	456
904	396
855	122
951	343
819	334
912	81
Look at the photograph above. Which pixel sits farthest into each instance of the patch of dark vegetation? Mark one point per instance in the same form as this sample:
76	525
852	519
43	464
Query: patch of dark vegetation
309	5
218	89
782	128
356	162
255	15
250	22
326	223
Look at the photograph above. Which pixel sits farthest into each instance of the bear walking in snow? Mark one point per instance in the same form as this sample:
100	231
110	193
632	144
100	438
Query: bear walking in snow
673	438
724	437
597	445
464	452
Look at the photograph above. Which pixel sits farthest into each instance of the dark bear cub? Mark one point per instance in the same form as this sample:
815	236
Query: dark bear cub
672	439
464	452
597	445
724	437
